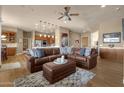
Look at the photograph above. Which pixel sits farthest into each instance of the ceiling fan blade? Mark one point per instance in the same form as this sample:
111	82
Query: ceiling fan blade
67	9
74	14
60	13
60	17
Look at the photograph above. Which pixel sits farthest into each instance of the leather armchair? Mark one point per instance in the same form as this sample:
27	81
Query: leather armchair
85	62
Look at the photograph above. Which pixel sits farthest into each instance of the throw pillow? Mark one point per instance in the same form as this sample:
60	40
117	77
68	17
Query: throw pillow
63	50
77	51
35	53
40	53
87	52
69	51
31	52
82	51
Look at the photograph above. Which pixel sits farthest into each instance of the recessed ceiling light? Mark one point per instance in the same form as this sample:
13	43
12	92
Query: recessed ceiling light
117	8
36	24
102	6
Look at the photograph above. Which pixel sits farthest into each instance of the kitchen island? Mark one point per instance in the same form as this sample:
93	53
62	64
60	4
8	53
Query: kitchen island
115	53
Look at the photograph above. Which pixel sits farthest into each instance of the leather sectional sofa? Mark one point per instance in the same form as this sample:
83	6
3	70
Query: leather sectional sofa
36	64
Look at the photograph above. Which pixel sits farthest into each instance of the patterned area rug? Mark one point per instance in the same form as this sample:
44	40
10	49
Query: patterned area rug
77	79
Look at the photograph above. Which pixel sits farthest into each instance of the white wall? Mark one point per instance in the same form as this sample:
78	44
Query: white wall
94	38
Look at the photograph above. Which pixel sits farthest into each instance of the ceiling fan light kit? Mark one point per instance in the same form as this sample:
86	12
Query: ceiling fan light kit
66	16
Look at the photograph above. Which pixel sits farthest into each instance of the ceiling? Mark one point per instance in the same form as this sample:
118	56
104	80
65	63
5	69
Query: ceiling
91	16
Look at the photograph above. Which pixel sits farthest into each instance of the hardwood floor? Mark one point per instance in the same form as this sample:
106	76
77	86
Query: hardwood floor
108	73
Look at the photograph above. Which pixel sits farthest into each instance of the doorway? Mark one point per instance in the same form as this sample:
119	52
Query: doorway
85	41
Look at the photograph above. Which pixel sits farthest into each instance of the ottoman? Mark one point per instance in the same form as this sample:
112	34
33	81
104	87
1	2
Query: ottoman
55	72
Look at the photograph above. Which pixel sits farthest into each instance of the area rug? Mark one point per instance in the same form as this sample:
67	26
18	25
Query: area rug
10	66
77	79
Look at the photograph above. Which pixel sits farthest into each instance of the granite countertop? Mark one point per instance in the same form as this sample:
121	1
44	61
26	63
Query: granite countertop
9	45
113	47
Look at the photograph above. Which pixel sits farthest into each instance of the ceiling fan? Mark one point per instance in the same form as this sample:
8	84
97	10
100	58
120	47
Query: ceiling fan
66	15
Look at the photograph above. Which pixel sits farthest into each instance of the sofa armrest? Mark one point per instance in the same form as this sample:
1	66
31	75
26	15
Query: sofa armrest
92	61
32	60
92	56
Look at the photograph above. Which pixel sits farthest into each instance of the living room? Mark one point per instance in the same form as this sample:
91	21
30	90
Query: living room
62	45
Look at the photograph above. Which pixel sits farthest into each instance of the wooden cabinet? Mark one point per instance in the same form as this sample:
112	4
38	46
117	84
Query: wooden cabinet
10	37
11	51
116	54
49	40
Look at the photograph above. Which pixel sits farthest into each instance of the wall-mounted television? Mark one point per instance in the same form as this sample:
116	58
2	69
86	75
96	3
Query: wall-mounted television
112	37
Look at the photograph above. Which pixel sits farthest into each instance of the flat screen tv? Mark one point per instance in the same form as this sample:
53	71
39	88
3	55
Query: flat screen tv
112	37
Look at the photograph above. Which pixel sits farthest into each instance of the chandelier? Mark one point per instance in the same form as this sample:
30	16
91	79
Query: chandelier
46	29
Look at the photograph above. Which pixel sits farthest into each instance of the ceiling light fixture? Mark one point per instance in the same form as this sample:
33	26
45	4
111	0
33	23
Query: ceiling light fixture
40	35
45	35
118	9
48	36
65	21
102	6
52	36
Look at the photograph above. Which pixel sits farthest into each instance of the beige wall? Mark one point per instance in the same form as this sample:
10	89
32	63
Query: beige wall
9	28
74	36
113	25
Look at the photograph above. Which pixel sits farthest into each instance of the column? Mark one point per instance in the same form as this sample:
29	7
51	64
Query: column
57	37
33	39
0	36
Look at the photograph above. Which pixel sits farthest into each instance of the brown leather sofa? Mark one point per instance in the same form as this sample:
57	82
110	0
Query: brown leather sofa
35	64
83	61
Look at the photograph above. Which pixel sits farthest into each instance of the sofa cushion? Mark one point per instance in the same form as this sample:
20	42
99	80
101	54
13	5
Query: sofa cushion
56	51
53	57
71	56
82	51
63	50
80	58
87	52
33	52
40	52
41	61
69	50
76	51
48	51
